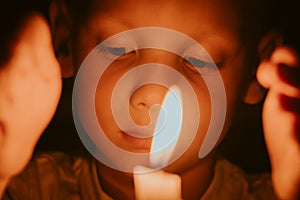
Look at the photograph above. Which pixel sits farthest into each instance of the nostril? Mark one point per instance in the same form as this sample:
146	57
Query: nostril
147	95
141	105
138	102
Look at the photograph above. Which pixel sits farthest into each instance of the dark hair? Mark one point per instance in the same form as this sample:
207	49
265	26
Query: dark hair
257	13
287	19
281	15
13	15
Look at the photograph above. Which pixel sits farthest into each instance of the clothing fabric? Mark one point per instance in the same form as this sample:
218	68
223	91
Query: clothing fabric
60	176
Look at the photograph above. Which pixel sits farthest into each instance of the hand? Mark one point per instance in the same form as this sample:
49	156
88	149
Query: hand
30	85
281	119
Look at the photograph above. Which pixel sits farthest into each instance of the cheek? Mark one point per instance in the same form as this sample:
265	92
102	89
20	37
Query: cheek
234	87
204	104
103	98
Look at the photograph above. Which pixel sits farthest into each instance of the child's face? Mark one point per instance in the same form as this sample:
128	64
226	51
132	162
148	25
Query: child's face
216	25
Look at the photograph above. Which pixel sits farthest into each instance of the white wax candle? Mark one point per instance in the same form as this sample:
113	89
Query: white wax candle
156	185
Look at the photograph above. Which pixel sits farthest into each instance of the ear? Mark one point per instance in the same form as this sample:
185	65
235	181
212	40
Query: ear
60	21
255	92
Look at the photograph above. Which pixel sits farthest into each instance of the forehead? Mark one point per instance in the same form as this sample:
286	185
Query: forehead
166	7
192	16
169	12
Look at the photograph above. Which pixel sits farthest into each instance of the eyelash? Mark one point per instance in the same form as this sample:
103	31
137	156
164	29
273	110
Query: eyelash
200	66
194	64
114	52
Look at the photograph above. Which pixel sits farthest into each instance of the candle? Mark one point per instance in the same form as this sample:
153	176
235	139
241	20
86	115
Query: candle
150	184
155	185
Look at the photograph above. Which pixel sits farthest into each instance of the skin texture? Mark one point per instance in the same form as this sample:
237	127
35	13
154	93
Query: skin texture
215	24
30	84
220	34
220	28
281	118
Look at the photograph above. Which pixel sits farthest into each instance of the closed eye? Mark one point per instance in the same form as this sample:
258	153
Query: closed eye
114	52
196	62
198	65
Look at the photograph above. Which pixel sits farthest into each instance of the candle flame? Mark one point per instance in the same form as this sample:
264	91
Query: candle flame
165	139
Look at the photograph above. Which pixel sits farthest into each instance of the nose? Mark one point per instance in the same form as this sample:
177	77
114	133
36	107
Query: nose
143	100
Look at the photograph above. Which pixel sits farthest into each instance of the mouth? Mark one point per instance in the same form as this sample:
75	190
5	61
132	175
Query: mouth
139	143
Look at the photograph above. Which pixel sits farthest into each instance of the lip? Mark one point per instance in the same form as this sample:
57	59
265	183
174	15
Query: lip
137	143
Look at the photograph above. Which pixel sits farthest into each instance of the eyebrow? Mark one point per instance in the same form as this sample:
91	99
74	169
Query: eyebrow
224	45
107	19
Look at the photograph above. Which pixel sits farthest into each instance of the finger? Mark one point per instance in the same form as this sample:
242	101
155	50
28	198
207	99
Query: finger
281	132
282	56
285	56
265	74
280	79
286	81
288	75
292	105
